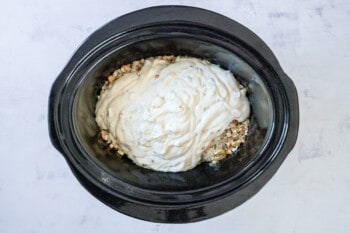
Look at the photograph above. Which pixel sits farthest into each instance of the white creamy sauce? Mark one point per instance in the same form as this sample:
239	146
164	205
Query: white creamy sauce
165	115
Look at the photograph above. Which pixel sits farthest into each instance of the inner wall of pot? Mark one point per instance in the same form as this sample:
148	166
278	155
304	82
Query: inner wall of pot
203	175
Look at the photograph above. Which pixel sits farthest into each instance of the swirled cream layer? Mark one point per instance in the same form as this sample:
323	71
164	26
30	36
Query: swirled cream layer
166	114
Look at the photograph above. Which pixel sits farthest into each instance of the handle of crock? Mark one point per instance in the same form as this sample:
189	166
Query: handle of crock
53	104
293	102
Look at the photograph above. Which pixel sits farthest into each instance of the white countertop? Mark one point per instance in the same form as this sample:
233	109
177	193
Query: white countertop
309	193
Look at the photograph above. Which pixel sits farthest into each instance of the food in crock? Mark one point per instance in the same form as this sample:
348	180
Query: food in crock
171	113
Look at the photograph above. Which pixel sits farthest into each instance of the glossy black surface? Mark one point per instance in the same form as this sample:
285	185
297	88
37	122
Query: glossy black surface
207	190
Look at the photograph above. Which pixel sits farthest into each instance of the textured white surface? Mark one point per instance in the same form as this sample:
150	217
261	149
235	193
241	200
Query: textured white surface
309	193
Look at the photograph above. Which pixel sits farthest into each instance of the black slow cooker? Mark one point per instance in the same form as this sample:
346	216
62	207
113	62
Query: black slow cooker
209	189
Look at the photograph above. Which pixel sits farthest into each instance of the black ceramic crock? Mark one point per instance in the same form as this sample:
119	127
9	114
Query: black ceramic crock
209	189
